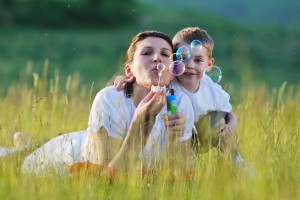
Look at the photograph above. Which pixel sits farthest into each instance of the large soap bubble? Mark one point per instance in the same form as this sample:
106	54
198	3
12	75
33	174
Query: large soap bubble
196	46
215	73
177	67
183	53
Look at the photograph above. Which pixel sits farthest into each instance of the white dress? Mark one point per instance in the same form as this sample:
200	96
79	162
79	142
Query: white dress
114	111
4	151
56	154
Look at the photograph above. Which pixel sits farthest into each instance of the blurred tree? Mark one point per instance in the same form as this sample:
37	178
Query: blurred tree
7	2
69	13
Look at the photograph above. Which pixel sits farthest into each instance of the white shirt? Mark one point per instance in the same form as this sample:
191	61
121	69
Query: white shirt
112	110
209	97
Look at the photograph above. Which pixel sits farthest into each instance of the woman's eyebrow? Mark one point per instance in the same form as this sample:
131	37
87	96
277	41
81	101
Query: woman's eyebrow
166	49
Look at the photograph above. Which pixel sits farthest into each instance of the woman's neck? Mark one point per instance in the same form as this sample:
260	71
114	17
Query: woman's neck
139	93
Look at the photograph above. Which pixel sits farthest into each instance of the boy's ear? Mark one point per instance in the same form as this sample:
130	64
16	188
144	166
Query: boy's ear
211	62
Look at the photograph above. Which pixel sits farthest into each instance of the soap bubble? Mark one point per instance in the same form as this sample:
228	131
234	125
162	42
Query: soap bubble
177	68
196	46
215	73
183	53
161	67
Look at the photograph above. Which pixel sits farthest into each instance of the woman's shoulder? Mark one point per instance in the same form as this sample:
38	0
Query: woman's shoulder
110	94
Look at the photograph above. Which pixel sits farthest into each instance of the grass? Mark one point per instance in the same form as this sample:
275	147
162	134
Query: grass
268	135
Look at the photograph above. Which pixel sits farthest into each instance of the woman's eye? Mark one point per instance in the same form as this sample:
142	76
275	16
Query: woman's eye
146	53
166	54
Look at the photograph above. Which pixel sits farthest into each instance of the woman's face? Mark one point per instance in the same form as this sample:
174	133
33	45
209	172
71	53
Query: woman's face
149	52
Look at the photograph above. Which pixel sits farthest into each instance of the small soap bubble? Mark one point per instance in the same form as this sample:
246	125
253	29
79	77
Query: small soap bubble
46	34
183	53
161	67
215	73
177	68
196	46
69	6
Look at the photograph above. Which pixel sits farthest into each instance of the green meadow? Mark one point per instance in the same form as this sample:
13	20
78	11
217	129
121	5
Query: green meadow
268	136
50	75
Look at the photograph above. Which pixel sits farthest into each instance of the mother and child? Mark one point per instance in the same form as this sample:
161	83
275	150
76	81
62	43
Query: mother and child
127	129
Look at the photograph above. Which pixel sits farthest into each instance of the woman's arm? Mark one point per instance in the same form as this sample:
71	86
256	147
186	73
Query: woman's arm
139	130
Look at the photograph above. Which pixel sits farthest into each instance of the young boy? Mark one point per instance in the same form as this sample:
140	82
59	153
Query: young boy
210	102
208	98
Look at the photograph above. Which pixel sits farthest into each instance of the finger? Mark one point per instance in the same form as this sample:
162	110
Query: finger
148	97
130	79
117	80
176	127
177	115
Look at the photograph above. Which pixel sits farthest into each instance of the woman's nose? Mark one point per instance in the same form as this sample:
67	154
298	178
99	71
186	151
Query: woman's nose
156	59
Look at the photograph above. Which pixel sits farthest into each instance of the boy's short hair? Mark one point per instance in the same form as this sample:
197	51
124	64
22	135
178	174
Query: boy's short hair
193	33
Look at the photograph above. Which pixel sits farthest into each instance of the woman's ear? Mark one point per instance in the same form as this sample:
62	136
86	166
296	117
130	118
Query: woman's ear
128	72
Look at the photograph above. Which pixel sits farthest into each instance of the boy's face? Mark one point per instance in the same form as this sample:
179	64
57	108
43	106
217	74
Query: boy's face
195	67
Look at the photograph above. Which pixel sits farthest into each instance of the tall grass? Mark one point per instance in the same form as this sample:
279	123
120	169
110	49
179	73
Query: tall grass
268	136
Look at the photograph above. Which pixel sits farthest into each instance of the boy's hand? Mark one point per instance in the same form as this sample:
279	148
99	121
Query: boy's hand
120	81
175	124
224	131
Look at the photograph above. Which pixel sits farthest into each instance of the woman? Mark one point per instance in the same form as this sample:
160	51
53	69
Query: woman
123	126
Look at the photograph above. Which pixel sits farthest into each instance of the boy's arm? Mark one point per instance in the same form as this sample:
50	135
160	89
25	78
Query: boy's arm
231	122
120	81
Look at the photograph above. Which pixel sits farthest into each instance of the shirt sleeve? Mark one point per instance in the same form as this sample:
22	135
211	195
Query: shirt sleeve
223	102
107	111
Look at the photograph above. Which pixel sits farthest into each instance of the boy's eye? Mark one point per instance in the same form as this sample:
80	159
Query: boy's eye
198	60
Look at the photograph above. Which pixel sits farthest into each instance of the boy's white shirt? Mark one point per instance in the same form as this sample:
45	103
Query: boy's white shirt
209	97
112	110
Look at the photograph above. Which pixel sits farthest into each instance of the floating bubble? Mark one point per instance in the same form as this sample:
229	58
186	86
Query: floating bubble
161	67
177	68
215	73
183	53
196	46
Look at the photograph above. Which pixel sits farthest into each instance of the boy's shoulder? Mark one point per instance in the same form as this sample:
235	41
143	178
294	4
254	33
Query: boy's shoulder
207	83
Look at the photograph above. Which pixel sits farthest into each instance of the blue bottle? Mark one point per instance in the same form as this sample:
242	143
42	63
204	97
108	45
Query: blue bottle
171	102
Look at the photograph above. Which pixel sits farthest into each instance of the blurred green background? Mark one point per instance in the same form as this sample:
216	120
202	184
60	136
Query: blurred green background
256	42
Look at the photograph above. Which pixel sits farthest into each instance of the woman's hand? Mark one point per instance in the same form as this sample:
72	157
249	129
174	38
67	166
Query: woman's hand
152	104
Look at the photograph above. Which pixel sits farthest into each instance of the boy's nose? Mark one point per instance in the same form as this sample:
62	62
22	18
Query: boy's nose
189	65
